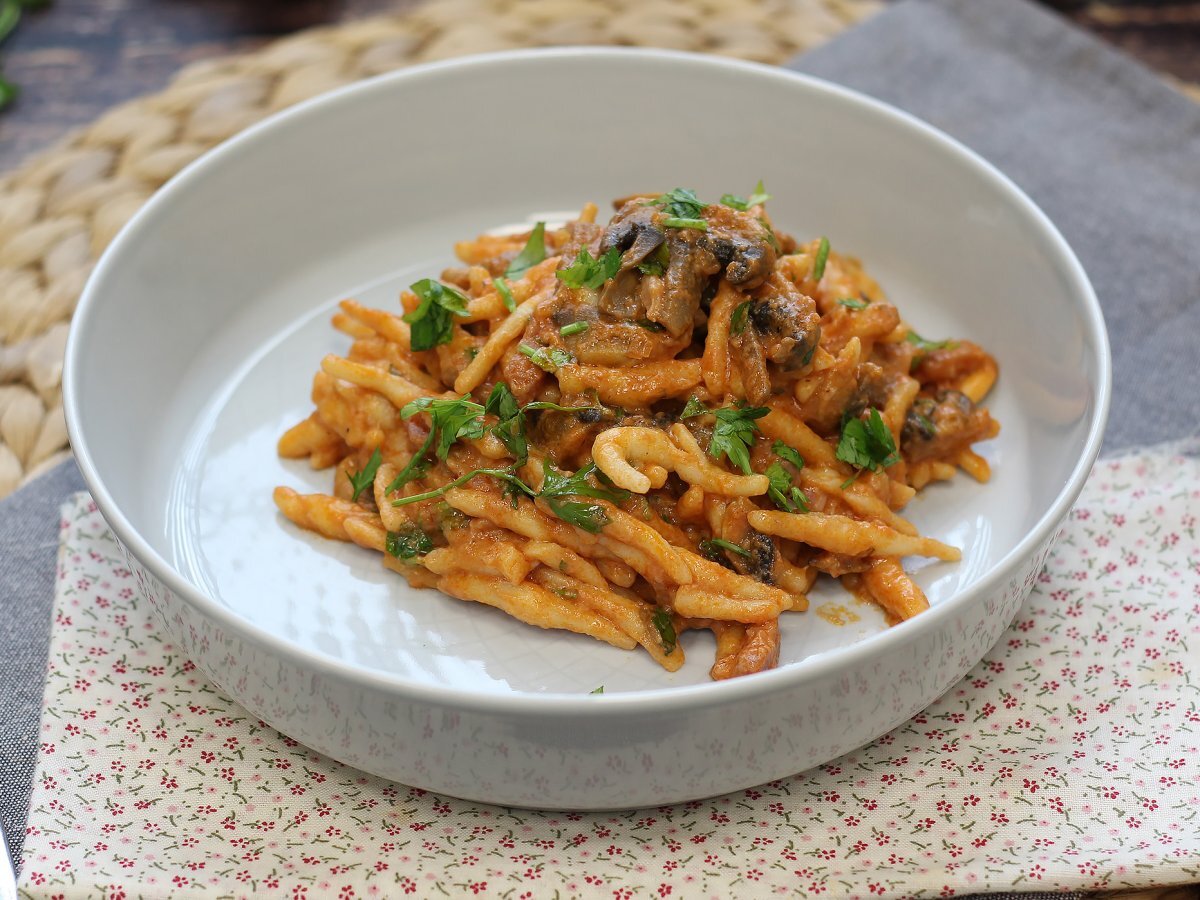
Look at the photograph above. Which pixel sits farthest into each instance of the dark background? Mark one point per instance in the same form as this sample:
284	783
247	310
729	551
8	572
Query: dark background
73	59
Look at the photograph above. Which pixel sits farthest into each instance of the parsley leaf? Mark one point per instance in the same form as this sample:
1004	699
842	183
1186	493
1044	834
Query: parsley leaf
783	492
737	322
548	359
657	262
505	292
590	517
452	419
851	303
661	620
734	434
363	478
416	468
792	455
511	428
588	272
921	344
693	408
869	444
680	222
680	203
408	544
503	474
531	254
713	546
822	257
431	321
599	690
759	197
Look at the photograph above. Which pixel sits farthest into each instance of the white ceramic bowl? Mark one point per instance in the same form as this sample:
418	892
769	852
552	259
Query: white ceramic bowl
198	334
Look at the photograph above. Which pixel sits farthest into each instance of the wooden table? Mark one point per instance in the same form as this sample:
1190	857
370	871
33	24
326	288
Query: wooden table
75	58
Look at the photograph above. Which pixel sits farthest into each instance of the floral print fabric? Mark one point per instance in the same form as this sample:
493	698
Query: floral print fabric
1069	758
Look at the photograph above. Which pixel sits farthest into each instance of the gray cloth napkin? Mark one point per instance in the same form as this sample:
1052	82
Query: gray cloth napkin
1109	151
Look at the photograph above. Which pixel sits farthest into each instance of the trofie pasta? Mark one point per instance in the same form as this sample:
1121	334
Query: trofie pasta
679	419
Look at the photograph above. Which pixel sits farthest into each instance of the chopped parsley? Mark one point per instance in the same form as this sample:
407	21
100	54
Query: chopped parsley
737	322
510	430
589	272
822	257
783	493
680	203
573	328
713	546
921	344
851	303
599	690
431	321
791	454
531	254
680	222
505	292
869	444
734	434
503	474
548	359
364	477
758	198
657	262
408	544
661	620
693	408
590	517
451	419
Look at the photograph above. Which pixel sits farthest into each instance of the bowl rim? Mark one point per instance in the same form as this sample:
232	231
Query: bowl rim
556	704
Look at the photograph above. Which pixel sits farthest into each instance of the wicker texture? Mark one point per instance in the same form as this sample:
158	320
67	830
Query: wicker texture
60	210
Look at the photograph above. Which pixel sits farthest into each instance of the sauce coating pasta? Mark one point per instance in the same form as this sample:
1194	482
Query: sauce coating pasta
678	419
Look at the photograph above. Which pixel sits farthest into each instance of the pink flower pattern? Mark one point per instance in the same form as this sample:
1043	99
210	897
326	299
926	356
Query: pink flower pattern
1069	758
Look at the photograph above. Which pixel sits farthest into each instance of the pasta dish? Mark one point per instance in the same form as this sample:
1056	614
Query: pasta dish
675	420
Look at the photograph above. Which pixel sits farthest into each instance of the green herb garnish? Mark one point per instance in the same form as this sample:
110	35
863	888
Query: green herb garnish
511	428
680	203
548	359
783	493
531	254
599	690
431	321
851	303
365	477
734	434
657	262
503	474
737	322
452	419
921	344
818	269
791	454
693	408
661	620
679	222
573	328
408	544
758	198
711	547
590	517
505	292
869	444
589	272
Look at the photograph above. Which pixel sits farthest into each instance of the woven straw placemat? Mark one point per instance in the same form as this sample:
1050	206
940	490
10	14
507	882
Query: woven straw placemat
61	208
